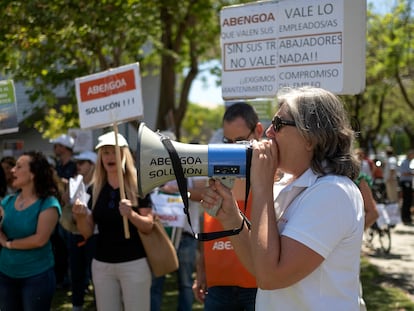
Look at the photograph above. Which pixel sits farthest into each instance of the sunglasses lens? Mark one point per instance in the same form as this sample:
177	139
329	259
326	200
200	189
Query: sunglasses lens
276	124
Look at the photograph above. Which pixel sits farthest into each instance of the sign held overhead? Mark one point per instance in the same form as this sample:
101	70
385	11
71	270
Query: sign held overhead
110	97
274	44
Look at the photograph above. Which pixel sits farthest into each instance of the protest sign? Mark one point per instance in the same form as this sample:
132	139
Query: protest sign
109	97
8	108
270	45
169	208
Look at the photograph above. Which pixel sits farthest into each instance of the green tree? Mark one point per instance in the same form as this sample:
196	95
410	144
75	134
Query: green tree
200	123
384	109
46	44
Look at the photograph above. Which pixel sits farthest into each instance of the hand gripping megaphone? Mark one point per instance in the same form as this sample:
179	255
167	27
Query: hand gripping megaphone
154	165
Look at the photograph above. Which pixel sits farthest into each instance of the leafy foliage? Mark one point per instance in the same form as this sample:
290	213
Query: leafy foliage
382	112
200	123
46	44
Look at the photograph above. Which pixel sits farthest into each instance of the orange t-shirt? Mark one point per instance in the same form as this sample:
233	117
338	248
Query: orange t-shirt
222	266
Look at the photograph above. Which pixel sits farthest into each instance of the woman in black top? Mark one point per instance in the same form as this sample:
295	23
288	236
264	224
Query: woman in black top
120	272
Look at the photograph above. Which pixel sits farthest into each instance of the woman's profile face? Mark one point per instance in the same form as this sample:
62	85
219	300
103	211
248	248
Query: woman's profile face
22	175
292	146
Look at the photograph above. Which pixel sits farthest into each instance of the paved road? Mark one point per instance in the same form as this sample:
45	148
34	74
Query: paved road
399	263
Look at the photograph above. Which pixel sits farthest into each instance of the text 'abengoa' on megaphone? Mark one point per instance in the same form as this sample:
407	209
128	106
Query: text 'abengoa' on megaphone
155	168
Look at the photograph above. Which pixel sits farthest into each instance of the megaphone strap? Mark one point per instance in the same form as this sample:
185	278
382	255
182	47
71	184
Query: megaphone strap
182	186
179	174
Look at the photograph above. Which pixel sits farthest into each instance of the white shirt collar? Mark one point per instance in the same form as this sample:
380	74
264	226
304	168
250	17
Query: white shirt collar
305	180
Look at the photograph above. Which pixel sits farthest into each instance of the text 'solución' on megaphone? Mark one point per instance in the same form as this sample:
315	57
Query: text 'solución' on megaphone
155	168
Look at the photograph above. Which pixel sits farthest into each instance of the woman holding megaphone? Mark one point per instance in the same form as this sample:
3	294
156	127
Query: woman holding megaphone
120	272
306	230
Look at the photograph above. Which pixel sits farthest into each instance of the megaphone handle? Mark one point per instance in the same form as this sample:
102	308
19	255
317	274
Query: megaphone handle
120	179
229	183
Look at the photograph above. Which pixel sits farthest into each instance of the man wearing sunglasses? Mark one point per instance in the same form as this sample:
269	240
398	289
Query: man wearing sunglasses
222	282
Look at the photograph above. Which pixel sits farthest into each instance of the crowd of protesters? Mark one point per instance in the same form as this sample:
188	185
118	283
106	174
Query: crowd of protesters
52	239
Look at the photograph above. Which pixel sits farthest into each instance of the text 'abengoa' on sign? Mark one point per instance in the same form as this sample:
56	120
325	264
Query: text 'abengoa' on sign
107	86
248	19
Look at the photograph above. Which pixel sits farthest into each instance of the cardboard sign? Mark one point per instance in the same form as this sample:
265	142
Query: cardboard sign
110	97
8	108
270	45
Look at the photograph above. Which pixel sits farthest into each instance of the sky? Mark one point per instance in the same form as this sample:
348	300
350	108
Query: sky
206	93
209	95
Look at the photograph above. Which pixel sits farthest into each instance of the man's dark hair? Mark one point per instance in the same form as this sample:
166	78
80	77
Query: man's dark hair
243	110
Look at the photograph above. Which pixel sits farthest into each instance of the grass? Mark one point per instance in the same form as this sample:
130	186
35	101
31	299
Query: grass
62	299
380	291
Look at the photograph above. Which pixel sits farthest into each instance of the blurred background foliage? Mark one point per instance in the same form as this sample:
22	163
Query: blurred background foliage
46	44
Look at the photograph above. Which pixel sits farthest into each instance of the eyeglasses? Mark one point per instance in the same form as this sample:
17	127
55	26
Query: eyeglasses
278	123
238	139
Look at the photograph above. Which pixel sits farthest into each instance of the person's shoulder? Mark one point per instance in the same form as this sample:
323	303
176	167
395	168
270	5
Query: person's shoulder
332	184
341	191
335	178
50	201
8	198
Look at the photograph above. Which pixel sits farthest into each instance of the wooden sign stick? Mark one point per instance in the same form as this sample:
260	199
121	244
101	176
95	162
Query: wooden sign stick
120	178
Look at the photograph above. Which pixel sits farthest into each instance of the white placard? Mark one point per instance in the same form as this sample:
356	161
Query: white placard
109	97
77	190
169	208
292	43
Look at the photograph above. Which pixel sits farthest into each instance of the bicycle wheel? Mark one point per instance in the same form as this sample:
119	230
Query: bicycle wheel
369	235
368	238
384	236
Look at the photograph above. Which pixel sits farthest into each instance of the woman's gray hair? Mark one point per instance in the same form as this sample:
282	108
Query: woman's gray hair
322	120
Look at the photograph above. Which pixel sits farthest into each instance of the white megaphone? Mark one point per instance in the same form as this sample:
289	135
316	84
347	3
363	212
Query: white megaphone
154	166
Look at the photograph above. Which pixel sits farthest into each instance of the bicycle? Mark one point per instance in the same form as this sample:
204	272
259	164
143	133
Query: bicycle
379	237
